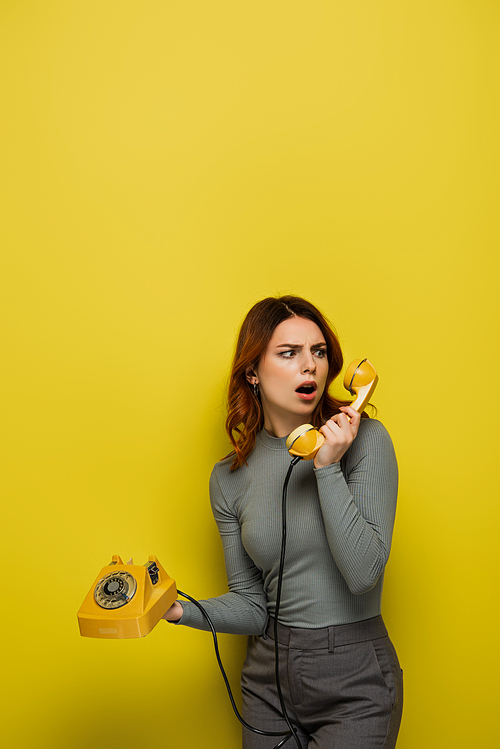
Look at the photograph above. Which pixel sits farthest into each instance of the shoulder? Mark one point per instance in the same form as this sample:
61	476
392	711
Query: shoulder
222	469
373	441
226	485
372	431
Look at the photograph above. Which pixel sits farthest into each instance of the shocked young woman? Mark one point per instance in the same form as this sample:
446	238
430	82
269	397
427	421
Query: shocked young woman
339	672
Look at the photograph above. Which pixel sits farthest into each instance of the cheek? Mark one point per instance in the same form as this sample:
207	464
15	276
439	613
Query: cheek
276	380
276	371
324	374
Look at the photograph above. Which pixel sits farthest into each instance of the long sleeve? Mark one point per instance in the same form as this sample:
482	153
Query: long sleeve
358	504
243	609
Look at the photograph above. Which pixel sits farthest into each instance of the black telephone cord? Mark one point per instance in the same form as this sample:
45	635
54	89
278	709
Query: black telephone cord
286	734
278	600
292	730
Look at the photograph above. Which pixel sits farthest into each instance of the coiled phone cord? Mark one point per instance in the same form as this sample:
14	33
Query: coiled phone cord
292	731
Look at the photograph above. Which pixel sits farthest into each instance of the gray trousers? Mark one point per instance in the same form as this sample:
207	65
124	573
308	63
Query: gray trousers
343	685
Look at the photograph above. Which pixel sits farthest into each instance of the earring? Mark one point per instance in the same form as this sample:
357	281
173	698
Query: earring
256	390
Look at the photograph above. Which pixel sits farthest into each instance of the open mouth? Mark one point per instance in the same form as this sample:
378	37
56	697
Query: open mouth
307	391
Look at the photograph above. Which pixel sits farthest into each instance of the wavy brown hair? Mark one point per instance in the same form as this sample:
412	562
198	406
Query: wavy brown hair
245	415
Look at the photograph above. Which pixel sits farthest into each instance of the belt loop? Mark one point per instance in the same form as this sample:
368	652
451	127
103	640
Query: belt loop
331	639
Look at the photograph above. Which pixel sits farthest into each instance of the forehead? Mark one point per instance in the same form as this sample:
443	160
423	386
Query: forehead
296	330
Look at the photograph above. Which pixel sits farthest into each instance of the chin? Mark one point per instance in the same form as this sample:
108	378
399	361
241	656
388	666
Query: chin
306	412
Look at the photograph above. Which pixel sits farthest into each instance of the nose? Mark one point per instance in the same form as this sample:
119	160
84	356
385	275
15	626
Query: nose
309	364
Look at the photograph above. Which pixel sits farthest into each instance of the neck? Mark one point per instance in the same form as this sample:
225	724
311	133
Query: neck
281	427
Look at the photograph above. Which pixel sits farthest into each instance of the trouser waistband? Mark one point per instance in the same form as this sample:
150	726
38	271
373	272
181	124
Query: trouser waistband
328	637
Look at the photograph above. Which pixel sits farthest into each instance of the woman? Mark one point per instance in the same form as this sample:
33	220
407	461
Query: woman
339	672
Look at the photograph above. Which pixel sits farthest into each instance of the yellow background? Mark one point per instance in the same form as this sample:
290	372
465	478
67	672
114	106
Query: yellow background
165	165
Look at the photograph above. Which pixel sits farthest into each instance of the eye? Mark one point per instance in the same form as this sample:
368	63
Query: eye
320	353
287	354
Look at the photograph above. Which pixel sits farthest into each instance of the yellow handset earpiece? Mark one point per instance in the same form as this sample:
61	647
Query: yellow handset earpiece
360	380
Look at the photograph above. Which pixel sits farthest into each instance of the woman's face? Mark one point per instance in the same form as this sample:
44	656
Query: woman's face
291	374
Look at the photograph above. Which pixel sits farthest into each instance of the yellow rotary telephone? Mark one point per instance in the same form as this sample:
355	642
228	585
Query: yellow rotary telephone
126	600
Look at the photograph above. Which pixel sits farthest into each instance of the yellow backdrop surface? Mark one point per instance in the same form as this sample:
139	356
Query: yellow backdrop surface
165	165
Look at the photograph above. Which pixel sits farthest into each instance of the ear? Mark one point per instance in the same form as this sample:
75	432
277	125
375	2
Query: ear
251	376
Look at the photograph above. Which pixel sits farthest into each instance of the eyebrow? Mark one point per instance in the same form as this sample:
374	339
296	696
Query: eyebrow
299	345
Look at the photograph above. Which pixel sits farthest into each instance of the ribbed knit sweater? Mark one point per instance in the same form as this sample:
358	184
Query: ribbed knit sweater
339	529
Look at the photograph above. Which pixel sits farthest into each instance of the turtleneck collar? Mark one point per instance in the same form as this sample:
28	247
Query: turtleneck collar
273	443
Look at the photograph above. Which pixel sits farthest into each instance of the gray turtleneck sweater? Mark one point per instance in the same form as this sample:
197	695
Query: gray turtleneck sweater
339	529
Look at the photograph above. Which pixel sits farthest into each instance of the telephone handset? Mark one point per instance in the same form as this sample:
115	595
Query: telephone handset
360	380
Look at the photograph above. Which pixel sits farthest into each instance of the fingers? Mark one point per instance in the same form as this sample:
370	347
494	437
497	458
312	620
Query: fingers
339	433
353	416
347	420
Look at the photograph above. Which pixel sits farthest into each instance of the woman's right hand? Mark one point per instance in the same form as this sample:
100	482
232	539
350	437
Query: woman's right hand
339	433
174	613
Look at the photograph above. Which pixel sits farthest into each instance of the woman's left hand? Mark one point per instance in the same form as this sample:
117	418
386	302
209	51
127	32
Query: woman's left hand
175	612
339	434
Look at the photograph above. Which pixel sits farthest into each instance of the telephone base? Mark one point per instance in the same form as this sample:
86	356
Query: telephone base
126	600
